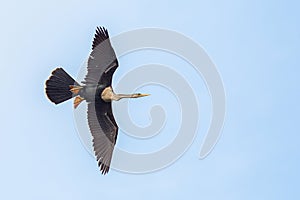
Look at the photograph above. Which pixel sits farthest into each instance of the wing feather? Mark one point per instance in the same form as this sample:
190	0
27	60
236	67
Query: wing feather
104	131
102	61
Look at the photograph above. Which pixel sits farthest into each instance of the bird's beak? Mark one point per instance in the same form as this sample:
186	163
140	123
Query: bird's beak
138	95
143	95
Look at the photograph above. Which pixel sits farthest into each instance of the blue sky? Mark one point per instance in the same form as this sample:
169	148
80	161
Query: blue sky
255	45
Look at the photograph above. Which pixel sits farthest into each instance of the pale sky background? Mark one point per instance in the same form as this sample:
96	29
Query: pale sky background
255	45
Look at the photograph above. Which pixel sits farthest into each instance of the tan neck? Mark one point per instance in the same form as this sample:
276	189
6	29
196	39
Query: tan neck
117	97
108	95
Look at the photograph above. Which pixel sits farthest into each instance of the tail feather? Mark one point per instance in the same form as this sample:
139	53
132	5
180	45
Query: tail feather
58	86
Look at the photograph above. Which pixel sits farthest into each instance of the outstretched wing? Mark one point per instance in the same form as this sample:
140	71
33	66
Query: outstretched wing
102	61
104	130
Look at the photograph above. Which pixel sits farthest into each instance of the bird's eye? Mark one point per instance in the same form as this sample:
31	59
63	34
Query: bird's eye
138	93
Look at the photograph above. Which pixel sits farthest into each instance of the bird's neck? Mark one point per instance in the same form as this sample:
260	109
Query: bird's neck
117	97
108	95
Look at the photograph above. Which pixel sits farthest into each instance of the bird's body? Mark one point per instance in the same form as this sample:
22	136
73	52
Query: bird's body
96	90
89	92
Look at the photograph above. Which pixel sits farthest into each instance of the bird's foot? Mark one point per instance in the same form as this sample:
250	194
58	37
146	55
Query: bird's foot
77	101
75	89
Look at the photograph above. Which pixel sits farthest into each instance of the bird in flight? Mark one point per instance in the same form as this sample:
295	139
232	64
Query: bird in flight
97	91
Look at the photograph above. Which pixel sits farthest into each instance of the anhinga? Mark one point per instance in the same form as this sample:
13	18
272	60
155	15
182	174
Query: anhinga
96	90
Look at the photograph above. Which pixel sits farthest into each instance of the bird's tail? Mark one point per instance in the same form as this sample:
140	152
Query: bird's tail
60	86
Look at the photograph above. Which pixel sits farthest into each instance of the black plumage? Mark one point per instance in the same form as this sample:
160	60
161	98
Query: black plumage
102	63
57	86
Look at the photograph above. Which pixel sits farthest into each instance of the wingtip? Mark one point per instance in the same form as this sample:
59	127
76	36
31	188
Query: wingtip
100	36
101	29
104	169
